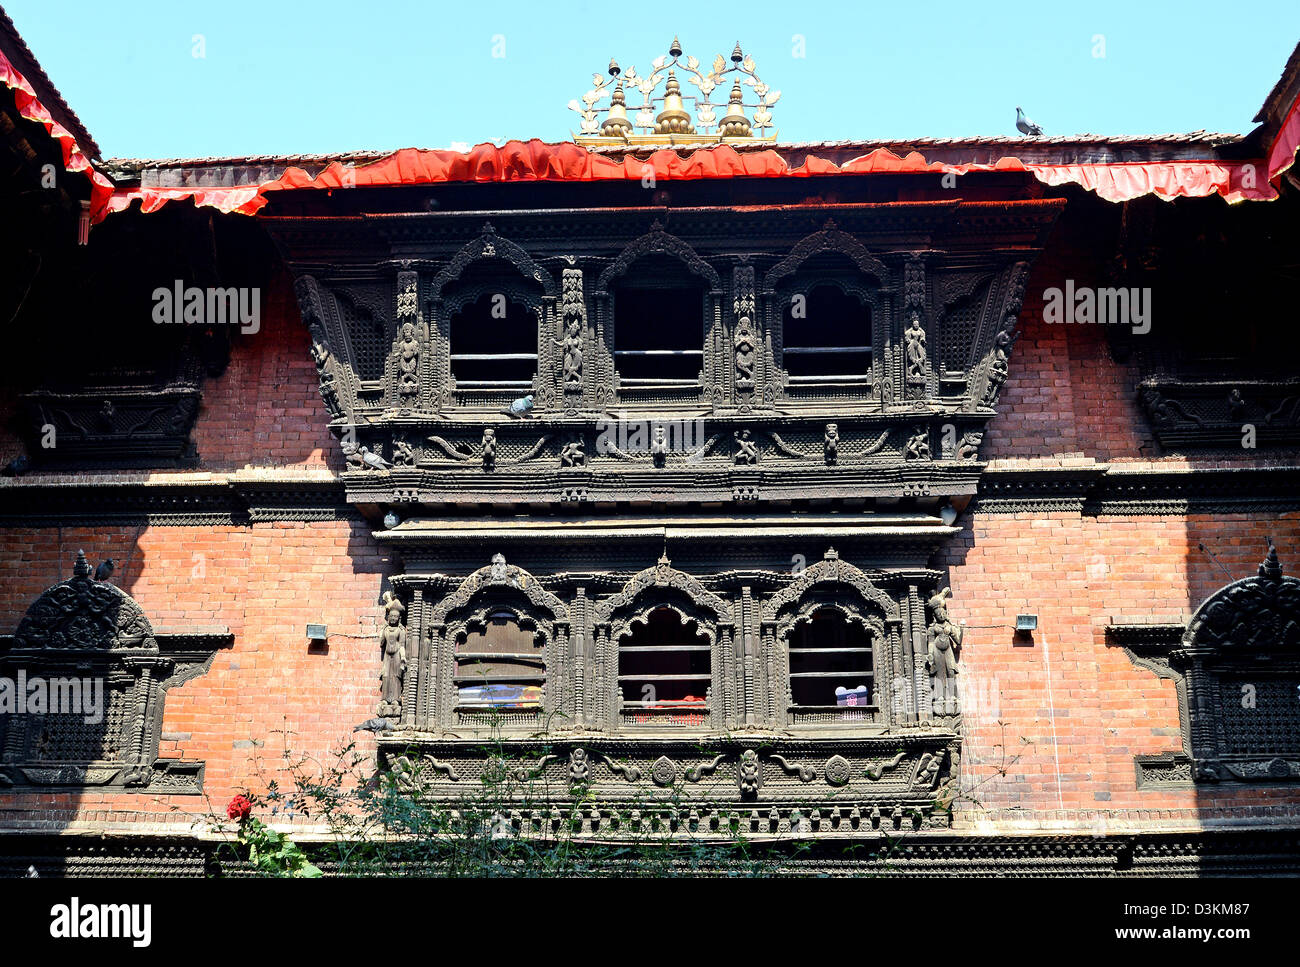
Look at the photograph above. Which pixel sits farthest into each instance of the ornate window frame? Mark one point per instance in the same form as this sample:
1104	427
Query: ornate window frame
663	586
499	586
1244	636
868	606
85	629
1248	629
659	242
522	281
871	283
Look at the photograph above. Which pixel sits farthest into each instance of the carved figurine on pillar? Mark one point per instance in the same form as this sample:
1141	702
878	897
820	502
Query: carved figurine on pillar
744	343
998	366
393	641
408	380
329	393
573	355
914	338
941	658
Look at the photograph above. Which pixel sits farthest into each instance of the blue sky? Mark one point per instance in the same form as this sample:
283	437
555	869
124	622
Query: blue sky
279	77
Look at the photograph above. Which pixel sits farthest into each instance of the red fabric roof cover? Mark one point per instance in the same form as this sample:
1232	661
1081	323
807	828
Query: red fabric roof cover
538	161
30	107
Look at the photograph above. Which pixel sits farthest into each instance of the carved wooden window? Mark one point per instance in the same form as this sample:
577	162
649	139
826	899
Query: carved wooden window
494	344
827	337
367	336
1237	671
664	671
1241	659
500	667
101	673
831	667
659	329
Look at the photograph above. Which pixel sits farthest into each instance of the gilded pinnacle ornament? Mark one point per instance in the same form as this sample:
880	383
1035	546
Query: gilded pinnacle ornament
671	105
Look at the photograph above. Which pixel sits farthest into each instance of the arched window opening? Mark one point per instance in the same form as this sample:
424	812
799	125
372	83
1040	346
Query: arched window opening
500	665
831	664
659	324
664	671
827	337
494	344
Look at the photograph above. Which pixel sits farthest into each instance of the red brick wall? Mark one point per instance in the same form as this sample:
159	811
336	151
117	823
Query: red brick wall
1065	717
265	409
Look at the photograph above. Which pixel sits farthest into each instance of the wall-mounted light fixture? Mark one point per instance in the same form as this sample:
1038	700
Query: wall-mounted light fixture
1026	625
317	639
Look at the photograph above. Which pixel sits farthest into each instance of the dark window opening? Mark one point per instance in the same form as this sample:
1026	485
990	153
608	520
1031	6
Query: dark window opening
494	344
665	667
827	337
831	663
659	327
500	666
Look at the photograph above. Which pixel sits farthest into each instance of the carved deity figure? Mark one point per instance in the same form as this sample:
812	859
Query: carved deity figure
941	657
403	453
998	368
408	378
489	449
573	354
744	343
832	444
918	445
746	448
579	766
573	454
328	391
748	774
393	641
914	337
659	447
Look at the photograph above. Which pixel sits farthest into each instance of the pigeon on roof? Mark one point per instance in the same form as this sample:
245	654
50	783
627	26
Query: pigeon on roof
1026	126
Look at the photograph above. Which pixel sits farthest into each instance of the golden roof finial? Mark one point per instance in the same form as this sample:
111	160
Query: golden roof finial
616	123
734	123
674	118
626	107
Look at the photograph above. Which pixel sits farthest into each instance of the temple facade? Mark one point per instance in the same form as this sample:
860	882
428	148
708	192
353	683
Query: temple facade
934	493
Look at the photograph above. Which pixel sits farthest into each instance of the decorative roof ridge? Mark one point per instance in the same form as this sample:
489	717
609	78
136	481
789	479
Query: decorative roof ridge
11	41
1190	137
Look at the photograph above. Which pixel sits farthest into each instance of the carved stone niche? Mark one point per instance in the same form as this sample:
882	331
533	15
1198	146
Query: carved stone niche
82	685
1237	671
123	419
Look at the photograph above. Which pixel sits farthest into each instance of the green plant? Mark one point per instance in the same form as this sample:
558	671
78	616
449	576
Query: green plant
271	852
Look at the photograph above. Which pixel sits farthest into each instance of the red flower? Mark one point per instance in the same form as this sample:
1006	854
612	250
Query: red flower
240	808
